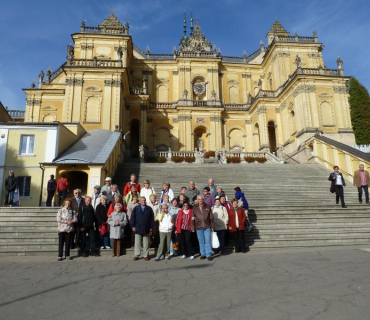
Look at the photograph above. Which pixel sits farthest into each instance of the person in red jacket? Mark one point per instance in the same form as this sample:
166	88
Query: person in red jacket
117	199
183	230
132	181
236	226
62	187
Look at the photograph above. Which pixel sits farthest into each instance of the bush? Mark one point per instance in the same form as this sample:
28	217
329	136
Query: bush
154	159
209	154
250	159
177	159
261	160
161	160
189	159
233	160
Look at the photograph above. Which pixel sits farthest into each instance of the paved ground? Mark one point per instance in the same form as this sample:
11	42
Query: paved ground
311	284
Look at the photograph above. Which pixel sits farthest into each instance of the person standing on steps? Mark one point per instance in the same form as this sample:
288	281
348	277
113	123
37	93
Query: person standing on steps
208	197
112	193
87	223
167	190
62	187
212	187
203	223
361	180
133	192
147	191
128	230
51	188
96	197
128	185
101	218
337	185
142	223
192	192
221	218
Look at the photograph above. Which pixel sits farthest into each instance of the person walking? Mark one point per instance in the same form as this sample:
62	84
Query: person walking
76	203
184	230
11	184
192	192
221	218
117	222
166	223
361	180
96	197
337	185
51	189
128	185
142	223
167	191
203	223
62	186
236	226
242	202
66	217
147	191
87	225
101	219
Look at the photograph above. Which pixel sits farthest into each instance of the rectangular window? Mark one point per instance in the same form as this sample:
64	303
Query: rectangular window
24	184
27	143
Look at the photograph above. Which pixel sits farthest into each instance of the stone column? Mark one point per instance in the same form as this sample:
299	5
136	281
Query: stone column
226	140
175	86
188	132
218	133
249	84
249	131
244	88
116	102
279	133
262	123
314	109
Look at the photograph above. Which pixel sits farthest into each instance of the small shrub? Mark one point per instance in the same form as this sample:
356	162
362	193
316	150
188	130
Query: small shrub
151	159
233	160
177	159
261	160
189	159
161	160
250	159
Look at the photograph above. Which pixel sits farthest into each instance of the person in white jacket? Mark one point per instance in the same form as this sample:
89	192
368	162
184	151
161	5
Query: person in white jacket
147	191
167	190
166	224
221	218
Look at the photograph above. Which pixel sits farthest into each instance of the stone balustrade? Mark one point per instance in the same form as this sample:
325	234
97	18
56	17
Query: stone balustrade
96	63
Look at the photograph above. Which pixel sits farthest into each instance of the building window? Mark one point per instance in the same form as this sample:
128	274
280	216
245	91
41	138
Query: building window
27	143
24	185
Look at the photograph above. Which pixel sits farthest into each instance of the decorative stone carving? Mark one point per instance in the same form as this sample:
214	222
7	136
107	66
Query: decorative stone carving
298	62
175	72
283	105
141	153
197	42
340	90
213	95
185	95
303	88
277	110
215	119
200	120
248	121
261	110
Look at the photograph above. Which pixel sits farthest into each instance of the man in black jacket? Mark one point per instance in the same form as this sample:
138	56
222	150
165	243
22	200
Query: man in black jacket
337	185
51	188
87	225
11	184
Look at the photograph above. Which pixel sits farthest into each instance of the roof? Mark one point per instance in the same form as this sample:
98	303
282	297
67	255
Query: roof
112	22
94	147
355	152
277	28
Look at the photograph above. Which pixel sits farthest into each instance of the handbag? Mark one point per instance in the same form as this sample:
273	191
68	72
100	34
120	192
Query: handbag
103	229
176	246
160	217
332	188
215	241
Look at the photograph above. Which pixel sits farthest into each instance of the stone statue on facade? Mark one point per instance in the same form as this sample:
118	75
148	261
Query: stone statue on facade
260	84
197	156
120	52
298	61
185	95
223	155
70	53
141	153
200	144
41	78
127	27
213	95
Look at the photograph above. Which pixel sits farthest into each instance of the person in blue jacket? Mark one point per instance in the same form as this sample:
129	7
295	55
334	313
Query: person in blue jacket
243	200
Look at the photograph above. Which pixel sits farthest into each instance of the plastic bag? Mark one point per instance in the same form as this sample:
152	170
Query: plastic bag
215	241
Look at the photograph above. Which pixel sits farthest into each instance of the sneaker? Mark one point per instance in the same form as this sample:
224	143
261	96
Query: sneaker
102	247
192	258
171	254
183	257
69	258
167	257
157	259
60	258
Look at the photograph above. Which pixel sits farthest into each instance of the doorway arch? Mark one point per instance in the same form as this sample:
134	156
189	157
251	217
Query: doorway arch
272	135
134	137
200	138
76	180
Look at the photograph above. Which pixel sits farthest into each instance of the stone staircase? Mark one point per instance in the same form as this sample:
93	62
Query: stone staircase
290	207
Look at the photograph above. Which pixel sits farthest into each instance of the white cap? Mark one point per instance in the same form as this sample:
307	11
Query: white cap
108	179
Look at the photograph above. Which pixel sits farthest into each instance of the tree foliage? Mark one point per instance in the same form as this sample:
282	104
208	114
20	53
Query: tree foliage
359	101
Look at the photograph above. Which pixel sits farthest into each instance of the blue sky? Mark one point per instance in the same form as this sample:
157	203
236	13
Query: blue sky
34	34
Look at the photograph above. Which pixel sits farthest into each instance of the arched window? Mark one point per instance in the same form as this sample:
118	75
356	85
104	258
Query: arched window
236	139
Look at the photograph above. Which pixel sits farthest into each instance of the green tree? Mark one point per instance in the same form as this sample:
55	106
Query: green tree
359	101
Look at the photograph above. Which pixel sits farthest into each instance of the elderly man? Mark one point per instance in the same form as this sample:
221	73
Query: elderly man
203	223
87	224
212	187
95	199
11	184
192	192
107	186
361	180
110	196
142	223
76	204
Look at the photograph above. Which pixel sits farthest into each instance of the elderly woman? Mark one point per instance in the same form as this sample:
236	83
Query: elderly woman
154	238
167	191
183	230
117	199
236	226
174	210
66	217
101	218
128	230
182	199
221	218
117	222
221	193
147	191
166	223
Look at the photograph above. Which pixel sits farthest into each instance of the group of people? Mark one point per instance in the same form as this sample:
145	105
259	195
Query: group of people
361	180
162	221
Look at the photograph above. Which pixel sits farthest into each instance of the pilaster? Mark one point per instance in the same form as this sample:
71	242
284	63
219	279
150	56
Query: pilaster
249	131
143	126
77	100
262	123
107	103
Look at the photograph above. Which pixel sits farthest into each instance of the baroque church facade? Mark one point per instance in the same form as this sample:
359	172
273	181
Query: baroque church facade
195	97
